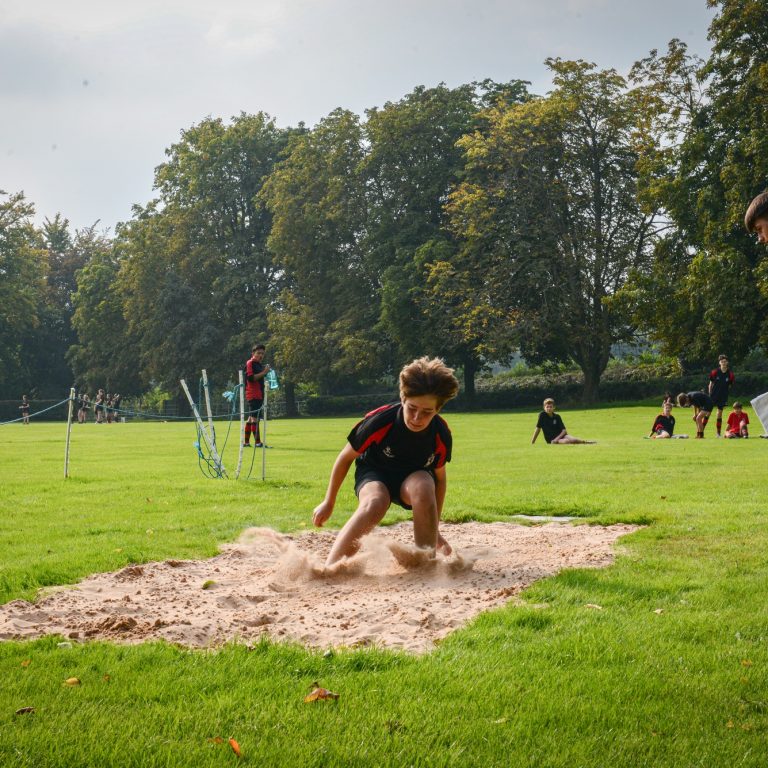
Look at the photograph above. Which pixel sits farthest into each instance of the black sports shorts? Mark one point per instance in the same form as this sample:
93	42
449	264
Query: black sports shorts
254	408
393	479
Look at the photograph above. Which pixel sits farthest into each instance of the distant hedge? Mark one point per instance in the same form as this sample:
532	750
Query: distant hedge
524	393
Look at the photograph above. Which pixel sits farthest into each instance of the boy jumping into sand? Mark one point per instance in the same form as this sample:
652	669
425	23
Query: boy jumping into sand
400	452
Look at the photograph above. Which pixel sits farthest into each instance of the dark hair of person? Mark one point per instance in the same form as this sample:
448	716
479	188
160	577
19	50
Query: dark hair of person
758	209
683	400
257	347
428	376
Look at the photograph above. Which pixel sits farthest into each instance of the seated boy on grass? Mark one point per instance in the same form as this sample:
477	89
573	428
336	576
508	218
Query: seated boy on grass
664	424
551	424
738	422
400	452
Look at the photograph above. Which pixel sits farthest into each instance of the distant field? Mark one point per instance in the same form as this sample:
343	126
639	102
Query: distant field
672	670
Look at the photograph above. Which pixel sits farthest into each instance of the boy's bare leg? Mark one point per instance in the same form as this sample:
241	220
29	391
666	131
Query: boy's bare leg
418	491
373	503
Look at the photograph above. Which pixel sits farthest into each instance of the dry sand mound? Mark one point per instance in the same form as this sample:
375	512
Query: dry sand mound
272	584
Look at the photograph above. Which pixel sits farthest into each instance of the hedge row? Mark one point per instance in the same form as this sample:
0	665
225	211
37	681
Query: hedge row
564	390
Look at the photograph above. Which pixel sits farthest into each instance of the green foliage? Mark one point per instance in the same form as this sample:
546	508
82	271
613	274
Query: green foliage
22	303
550	217
705	293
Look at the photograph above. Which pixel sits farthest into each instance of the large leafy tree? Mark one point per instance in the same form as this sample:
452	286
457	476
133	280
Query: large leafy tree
707	291
322	321
550	218
105	354
22	294
196	276
412	163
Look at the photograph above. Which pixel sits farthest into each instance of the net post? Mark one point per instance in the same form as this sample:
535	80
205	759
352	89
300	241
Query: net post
69	431
242	424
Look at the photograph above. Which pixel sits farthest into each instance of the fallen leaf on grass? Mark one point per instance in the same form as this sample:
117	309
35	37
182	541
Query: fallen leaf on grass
595	606
107	678
26	663
25	711
320	693
235	747
746	663
659	611
72	681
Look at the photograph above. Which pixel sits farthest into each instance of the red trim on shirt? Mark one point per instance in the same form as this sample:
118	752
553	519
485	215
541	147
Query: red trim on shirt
376	437
441	451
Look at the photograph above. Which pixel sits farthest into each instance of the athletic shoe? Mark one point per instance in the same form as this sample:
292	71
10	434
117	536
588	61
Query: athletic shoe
248	445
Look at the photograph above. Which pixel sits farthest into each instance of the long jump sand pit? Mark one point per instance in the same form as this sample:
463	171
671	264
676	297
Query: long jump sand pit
276	585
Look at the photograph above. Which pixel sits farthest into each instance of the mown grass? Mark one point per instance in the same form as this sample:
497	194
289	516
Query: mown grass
670	670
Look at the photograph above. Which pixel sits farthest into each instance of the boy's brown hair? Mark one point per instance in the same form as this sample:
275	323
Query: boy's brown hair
428	376
758	209
738	405
683	400
548	400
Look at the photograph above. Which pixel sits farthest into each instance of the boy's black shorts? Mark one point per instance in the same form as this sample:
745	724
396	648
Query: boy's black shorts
254	408
393	479
719	403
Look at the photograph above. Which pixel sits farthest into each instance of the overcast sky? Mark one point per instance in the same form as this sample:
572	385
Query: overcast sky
93	93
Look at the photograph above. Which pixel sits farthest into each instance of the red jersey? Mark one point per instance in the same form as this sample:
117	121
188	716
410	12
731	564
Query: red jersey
254	390
735	419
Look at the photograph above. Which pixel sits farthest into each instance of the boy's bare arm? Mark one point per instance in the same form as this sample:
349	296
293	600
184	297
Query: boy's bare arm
441	486
535	434
340	469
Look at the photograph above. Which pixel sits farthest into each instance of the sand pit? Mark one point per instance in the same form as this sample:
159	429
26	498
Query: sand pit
276	585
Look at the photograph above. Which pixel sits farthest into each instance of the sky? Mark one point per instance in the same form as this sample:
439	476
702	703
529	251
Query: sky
92	94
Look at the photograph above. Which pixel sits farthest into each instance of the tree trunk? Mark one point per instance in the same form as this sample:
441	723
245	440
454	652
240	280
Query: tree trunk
289	391
470	369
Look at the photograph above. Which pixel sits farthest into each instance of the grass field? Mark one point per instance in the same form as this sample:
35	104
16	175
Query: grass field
673	671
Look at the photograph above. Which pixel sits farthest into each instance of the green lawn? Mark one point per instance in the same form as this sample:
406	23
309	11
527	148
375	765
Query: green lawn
672	672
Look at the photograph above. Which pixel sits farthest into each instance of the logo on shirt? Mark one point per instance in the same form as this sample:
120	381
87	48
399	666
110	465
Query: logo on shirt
430	460
388	453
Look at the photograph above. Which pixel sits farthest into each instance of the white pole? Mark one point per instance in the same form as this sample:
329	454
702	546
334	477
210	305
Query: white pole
211	448
264	431
211	428
242	424
69	431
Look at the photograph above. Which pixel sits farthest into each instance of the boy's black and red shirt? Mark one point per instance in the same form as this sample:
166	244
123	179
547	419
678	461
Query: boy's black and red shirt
720	383
386	443
254	389
667	423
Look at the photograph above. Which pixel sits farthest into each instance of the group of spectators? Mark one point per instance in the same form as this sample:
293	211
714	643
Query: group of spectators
105	407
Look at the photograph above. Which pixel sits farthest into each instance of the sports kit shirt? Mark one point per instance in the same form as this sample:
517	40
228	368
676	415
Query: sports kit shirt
735	419
254	390
384	441
667	423
551	426
721	382
701	400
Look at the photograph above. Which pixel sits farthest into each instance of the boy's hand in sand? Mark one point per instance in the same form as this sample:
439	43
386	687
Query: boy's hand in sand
322	513
443	547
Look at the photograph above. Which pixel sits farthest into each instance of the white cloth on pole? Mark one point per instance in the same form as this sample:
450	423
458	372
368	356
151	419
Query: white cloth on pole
760	405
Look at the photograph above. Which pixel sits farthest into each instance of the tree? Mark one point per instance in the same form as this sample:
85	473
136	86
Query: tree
412	163
22	271
321	323
196	277
550	218
710	118
105	355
